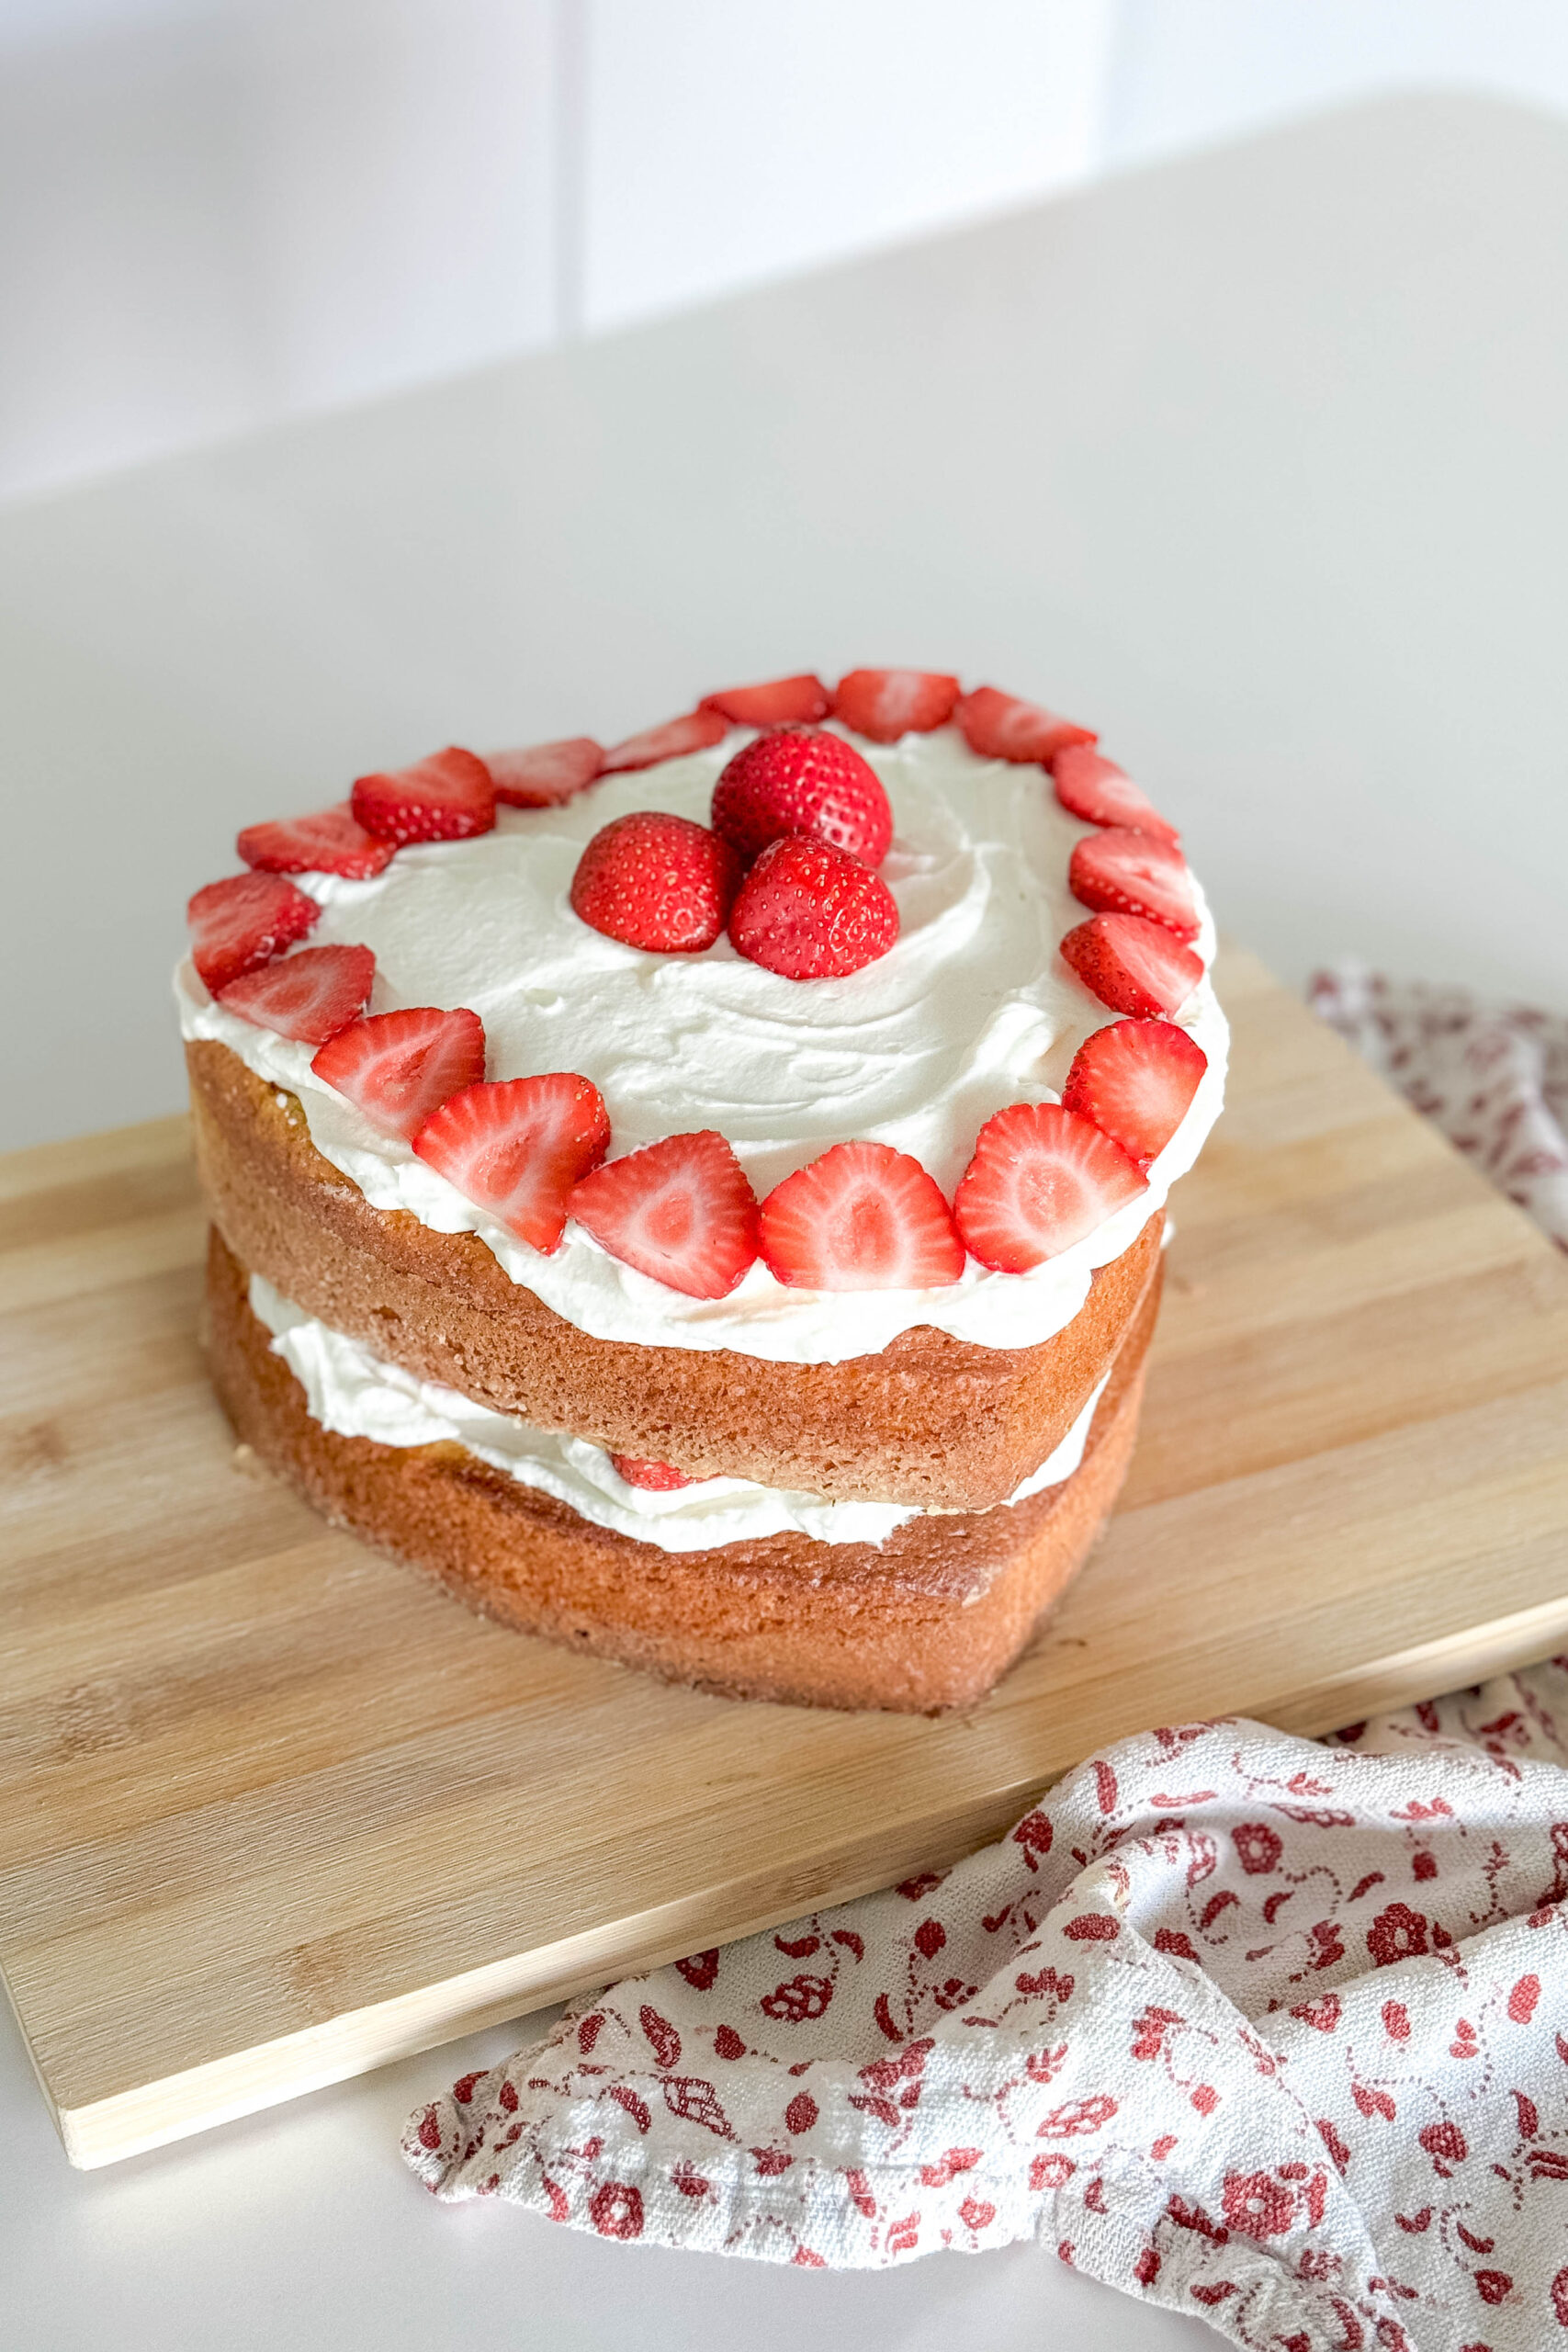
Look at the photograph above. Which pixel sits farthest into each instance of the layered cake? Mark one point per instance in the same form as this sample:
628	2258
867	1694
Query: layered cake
703	1199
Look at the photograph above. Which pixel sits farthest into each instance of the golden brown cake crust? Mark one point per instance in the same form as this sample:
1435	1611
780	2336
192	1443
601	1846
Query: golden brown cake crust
930	1421
926	1621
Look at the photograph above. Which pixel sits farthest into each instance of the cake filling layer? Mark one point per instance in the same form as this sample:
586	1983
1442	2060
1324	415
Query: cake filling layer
354	1394
971	1009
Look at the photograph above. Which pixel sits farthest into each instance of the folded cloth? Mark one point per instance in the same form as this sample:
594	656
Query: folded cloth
1494	1078
1269	2031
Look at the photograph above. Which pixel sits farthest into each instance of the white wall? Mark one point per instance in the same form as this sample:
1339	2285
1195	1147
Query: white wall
215	213
725	144
1186	71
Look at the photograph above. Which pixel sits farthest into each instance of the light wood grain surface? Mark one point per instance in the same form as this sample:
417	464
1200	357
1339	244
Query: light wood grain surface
275	1810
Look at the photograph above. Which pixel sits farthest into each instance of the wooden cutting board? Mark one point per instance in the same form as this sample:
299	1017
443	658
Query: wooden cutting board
275	1810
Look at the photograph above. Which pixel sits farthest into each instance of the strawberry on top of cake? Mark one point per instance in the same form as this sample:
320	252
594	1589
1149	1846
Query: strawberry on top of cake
811	1017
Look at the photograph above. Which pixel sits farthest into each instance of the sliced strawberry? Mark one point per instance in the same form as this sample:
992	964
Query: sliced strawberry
1136	1081
680	1212
885	704
803	700
1041	1179
242	922
812	912
332	841
400	1067
656	1478
695	732
517	1146
862	1217
447	797
547	774
803	780
658	881
1132	964
1098	791
1000	726
309	995
1123	873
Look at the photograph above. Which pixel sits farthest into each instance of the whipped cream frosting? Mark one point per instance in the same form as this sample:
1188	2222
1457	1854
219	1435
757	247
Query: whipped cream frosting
970	1010
355	1393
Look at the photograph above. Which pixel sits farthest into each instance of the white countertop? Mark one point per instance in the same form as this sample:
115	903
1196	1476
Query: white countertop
1256	460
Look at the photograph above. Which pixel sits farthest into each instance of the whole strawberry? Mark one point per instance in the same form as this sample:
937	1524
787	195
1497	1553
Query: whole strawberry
658	881
801	780
812	911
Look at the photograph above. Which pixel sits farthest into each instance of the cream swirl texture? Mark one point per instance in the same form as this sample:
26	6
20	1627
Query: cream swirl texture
971	1009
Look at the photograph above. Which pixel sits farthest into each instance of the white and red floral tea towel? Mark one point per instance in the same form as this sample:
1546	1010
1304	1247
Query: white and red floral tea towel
1262	2029
1265	2030
1494	1079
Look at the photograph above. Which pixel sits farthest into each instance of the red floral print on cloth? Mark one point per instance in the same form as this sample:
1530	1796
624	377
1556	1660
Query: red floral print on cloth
1494	1078
1244	2058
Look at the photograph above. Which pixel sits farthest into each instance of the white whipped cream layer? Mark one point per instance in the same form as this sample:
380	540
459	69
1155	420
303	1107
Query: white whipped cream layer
970	1010
354	1393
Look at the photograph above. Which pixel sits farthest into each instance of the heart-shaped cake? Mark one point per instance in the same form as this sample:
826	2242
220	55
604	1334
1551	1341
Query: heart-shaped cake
704	1198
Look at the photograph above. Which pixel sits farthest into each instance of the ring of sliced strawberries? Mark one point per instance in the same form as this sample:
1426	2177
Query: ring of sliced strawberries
800	823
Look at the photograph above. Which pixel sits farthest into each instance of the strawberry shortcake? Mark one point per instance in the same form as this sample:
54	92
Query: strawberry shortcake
703	1198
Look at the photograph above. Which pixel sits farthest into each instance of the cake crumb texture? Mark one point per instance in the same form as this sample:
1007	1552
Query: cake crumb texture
925	1622
930	1420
